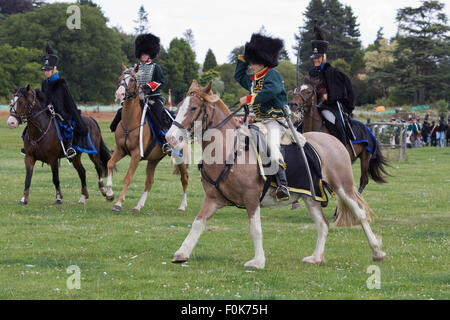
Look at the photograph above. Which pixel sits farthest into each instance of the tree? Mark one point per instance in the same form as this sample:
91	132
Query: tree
9	7
181	68
89	58
422	56
288	72
210	61
188	35
232	57
142	21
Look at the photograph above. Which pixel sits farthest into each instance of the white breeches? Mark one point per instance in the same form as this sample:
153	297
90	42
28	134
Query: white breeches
274	133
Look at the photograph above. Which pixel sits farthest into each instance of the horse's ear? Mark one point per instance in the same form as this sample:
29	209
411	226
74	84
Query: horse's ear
14	87
194	85
315	82
28	88
306	80
124	67
136	68
208	88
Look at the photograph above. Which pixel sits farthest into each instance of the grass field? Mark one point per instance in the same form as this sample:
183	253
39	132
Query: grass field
127	255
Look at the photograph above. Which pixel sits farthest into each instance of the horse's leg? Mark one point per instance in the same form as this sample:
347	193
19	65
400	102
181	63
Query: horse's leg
354	202
316	213
95	158
82	174
135	159
118	154
364	180
29	166
254	217
55	173
184	182
151	166
208	209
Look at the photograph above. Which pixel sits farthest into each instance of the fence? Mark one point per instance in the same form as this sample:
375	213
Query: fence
392	139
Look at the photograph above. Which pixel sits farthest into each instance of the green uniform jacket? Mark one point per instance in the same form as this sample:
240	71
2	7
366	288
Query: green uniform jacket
151	74
267	94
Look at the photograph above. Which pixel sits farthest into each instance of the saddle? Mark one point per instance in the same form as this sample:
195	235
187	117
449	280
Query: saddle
296	173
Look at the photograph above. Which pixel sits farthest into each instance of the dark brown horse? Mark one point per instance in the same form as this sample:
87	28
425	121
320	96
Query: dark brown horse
203	112
305	98
41	143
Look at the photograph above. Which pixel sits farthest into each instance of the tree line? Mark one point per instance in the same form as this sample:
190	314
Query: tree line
411	68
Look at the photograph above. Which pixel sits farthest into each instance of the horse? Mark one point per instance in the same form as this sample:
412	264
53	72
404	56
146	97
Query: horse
305	98
127	143
41	142
243	186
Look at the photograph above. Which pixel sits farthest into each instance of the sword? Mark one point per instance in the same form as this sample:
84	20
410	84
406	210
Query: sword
346	126
141	129
287	113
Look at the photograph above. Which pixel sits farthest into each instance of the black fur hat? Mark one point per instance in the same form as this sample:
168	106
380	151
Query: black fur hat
50	59
319	45
147	43
263	50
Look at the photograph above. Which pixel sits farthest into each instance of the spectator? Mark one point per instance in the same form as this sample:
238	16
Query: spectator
441	132
433	133
426	133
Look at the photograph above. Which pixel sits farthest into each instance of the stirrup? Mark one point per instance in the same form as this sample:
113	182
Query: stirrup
22	152
70	153
283	193
166	149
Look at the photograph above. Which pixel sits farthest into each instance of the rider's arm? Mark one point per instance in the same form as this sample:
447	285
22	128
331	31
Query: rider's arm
240	74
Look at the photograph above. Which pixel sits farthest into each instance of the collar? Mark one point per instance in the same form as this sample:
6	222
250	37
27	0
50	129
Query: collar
53	78
149	61
260	74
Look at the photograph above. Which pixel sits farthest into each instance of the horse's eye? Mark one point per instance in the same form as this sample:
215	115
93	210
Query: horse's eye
193	109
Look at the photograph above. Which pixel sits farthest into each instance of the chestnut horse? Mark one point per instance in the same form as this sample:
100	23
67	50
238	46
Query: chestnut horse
127	143
243	186
305	97
41	143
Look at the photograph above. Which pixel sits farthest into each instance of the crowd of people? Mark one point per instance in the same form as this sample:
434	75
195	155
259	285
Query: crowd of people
434	133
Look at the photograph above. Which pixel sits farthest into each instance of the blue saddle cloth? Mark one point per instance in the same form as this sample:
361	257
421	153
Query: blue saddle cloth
79	143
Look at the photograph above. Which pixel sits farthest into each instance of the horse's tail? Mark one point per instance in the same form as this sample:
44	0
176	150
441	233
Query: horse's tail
345	207
104	152
377	164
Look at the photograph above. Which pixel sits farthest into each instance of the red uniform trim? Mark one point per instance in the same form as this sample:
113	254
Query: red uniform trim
154	85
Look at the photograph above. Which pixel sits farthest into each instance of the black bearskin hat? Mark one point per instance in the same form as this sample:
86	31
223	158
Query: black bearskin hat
263	50
50	59
319	45
147	43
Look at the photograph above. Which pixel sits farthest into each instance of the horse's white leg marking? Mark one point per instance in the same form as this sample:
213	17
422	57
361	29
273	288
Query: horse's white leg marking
360	215
109	191
315	212
259	260
82	199
198	226
183	203
141	202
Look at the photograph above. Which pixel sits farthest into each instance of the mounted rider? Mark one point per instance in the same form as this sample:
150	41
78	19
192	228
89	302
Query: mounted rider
335	90
150	78
57	97
267	96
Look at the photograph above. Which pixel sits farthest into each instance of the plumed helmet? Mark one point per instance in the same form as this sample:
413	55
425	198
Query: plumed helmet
263	50
50	59
319	44
147	43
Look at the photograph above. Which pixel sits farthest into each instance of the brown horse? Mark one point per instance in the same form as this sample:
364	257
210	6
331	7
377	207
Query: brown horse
127	143
243	186
306	97
41	143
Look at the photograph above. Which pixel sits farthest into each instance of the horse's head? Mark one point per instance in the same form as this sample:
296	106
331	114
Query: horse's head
128	86
192	113
305	95
22	105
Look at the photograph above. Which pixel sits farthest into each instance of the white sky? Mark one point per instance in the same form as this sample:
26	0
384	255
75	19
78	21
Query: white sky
224	25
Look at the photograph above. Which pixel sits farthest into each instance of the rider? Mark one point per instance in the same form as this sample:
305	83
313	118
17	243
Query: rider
335	87
267	96
150	78
58	98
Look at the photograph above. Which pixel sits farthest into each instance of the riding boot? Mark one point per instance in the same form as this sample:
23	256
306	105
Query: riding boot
116	120
70	151
162	123
282	190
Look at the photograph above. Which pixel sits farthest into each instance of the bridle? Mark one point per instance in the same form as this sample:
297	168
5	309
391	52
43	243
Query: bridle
302	108
123	83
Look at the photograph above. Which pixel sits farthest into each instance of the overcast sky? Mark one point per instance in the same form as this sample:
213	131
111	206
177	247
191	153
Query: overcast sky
224	25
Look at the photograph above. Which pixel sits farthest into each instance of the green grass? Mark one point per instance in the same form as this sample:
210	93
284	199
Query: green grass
127	255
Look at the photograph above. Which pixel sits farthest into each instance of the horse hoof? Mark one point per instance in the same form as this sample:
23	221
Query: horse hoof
181	209
22	203
380	257
110	198
179	258
314	260
58	201
117	208
137	209
255	264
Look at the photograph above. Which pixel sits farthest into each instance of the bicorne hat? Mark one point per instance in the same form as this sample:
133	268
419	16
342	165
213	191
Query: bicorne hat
147	43
319	44
50	59
263	50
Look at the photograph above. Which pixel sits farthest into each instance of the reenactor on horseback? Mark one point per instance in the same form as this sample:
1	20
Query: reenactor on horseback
267	96
150	78
335	90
